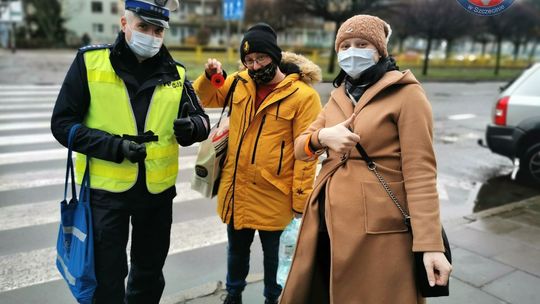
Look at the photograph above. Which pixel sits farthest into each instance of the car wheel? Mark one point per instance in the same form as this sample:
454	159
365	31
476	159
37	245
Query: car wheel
529	164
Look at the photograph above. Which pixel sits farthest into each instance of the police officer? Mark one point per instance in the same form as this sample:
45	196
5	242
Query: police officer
135	106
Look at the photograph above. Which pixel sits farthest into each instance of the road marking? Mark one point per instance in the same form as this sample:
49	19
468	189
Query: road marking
11	107
29	93
38	266
32	156
17	126
443	195
461	116
17	116
29	87
41	213
12	140
42	178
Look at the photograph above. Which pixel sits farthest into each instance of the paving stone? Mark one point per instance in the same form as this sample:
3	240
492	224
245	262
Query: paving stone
516	288
463	293
530	218
475	269
485	243
534	207
528	235
524	257
495	225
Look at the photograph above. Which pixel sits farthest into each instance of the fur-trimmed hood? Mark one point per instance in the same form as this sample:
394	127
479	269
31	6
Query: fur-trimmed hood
309	72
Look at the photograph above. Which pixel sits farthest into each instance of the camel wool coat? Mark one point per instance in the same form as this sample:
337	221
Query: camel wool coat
371	249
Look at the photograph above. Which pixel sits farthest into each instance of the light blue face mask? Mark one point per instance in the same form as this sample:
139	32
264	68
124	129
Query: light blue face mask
355	60
143	45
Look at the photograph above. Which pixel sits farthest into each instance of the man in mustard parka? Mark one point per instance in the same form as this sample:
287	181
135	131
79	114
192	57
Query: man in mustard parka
262	185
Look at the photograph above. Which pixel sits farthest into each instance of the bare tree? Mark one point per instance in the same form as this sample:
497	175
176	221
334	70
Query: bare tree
523	25
513	24
438	19
279	14
338	11
534	6
44	21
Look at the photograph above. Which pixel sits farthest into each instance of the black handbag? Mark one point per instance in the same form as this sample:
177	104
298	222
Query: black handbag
419	269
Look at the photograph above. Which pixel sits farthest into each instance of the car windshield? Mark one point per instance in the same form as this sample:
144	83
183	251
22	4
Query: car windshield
530	85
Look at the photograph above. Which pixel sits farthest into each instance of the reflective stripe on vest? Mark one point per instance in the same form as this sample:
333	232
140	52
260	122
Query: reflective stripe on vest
110	111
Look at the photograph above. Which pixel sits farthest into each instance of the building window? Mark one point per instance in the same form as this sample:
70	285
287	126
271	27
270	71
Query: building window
97	7
114	8
97	27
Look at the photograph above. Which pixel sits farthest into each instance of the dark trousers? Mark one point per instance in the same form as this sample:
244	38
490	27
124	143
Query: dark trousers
238	253
321	275
150	238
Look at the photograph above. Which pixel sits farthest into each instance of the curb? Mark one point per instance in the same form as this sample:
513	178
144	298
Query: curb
204	290
502	209
467	219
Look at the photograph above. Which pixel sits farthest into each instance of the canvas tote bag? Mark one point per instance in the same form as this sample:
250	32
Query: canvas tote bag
212	152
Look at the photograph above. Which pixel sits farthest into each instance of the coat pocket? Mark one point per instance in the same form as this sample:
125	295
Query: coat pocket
275	182
382	215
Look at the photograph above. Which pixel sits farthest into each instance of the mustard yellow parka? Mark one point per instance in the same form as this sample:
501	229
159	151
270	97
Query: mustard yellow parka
262	183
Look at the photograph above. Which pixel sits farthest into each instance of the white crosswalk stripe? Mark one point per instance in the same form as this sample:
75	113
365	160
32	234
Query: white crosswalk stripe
28	180
38	266
23	110
27	215
26	115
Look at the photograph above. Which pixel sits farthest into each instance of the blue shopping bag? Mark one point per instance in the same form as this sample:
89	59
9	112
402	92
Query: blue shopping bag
75	245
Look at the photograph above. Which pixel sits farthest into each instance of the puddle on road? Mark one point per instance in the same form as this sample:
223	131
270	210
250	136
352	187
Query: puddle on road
502	190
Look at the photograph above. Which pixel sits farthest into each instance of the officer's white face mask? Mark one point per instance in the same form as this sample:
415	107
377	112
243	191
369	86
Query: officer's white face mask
143	45
355	60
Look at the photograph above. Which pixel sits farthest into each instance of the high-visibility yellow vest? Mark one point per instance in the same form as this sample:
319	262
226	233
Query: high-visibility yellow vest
110	111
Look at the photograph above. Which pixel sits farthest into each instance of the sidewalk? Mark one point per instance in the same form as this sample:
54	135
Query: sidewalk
496	256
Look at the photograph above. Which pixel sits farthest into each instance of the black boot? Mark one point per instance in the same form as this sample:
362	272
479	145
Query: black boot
230	299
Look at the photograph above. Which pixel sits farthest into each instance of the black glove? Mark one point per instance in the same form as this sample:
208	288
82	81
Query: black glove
183	126
133	151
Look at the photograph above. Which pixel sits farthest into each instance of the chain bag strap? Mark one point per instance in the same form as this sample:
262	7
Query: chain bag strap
373	168
419	268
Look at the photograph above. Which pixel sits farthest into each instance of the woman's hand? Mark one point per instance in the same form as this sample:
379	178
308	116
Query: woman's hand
213	66
438	268
339	138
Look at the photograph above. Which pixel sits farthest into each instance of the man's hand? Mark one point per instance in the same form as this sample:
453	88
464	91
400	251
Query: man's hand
339	138
213	66
133	151
438	268
183	126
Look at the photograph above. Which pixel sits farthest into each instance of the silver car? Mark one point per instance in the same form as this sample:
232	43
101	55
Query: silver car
515	130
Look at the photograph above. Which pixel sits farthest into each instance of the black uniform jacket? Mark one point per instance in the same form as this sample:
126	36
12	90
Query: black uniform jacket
140	79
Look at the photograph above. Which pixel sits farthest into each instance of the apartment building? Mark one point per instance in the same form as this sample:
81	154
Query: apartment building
100	20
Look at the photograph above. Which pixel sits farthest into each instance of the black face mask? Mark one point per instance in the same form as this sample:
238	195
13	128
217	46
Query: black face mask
265	74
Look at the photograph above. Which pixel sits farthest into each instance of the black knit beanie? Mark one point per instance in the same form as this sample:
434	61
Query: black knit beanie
260	38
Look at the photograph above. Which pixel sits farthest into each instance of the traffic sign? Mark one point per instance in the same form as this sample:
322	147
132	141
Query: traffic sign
233	9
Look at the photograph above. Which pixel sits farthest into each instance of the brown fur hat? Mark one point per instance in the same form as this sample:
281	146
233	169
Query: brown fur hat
370	28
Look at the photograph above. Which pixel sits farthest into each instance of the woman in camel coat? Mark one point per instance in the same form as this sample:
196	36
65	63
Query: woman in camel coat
354	246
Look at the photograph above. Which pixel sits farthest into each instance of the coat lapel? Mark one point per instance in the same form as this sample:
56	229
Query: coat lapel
343	101
388	79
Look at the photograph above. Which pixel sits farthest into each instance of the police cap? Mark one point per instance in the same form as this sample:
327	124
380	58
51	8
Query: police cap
153	11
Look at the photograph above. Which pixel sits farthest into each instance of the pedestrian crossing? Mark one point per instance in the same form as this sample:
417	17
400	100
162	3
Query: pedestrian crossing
31	186
25	142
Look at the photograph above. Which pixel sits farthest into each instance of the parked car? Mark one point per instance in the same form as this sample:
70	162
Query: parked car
515	129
